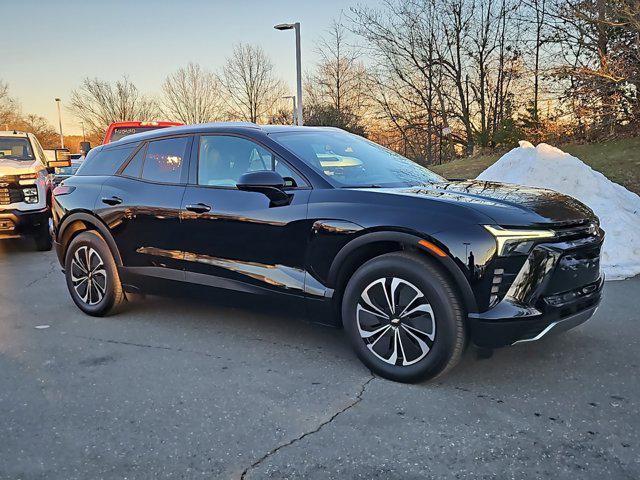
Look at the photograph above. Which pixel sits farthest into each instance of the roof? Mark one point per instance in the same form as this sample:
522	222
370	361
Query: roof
159	123
13	133
229	127
293	128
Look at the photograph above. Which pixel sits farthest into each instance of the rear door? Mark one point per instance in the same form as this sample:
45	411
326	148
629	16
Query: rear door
141	205
237	239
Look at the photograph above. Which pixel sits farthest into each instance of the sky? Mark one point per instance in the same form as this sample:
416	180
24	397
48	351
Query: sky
49	46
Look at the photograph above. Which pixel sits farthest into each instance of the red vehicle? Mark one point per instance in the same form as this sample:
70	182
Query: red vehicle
118	130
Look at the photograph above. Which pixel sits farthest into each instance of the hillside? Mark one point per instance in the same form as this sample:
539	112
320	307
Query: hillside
619	160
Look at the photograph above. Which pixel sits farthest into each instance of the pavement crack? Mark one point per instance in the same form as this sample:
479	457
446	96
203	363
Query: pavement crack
52	267
144	345
182	350
356	400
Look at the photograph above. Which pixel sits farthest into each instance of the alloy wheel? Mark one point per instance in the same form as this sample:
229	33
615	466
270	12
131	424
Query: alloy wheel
88	275
395	321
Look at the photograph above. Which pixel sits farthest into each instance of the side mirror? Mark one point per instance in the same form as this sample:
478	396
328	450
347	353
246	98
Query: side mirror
267	182
61	158
85	147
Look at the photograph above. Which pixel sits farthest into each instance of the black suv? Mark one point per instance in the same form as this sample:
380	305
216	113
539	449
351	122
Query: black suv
411	265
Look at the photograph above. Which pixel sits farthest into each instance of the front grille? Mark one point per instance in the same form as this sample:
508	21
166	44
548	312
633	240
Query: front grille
576	268
10	195
577	230
585	291
10	190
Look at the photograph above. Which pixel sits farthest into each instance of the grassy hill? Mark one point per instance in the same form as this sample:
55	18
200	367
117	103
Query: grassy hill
619	160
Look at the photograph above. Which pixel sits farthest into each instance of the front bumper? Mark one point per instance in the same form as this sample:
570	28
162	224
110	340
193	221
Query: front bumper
511	323
558	288
16	223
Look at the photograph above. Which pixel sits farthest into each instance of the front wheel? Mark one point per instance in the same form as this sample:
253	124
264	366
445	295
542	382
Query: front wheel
92	275
403	318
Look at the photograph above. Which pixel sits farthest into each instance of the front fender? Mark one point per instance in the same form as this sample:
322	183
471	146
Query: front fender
348	243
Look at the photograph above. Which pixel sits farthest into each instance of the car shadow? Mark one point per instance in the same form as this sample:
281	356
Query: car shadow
249	317
284	323
509	367
17	245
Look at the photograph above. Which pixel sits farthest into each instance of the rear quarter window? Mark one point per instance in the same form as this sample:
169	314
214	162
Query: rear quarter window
105	161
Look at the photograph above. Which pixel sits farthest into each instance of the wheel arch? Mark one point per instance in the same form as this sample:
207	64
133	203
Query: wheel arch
78	222
370	245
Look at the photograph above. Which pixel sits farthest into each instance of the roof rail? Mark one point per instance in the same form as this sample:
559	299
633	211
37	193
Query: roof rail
235	124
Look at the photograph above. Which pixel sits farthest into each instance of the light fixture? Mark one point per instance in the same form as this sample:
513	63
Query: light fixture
509	240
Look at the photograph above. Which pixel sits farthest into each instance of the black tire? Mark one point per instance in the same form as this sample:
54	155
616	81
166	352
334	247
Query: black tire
406	275
43	239
102	292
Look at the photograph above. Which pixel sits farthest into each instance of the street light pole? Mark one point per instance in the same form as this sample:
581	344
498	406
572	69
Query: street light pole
299	74
60	123
293	97
296	27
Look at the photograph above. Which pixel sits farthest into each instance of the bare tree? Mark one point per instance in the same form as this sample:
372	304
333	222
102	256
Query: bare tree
11	117
336	89
540	8
98	103
249	85
191	95
444	70
405	82
423	70
9	108
340	77
598	43
41	128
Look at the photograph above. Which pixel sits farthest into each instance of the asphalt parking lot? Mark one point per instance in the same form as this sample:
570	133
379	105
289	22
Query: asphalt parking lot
178	388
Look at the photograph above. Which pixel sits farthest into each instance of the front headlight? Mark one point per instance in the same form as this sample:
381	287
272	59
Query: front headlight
30	195
516	241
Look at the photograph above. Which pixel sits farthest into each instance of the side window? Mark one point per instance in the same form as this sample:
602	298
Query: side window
43	157
222	160
164	160
102	161
134	166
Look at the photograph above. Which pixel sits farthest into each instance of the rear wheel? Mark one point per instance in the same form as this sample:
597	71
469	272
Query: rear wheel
92	275
403	318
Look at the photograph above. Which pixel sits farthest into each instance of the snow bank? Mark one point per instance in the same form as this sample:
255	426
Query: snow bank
618	208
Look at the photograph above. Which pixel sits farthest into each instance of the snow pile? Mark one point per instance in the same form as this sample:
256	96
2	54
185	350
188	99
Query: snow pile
618	208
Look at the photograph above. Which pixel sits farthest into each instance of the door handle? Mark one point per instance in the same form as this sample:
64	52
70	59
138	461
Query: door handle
112	200
199	208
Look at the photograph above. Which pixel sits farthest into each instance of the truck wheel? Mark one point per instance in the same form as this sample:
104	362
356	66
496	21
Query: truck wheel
92	276
403	318
43	239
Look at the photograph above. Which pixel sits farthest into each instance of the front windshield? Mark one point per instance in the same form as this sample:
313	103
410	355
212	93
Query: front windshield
16	148
347	160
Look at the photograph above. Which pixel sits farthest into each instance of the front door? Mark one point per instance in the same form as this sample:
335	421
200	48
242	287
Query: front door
236	239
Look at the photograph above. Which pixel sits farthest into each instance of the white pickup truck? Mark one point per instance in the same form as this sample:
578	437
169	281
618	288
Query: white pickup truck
25	187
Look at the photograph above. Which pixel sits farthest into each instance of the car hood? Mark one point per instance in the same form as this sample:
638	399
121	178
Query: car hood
507	204
17	167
